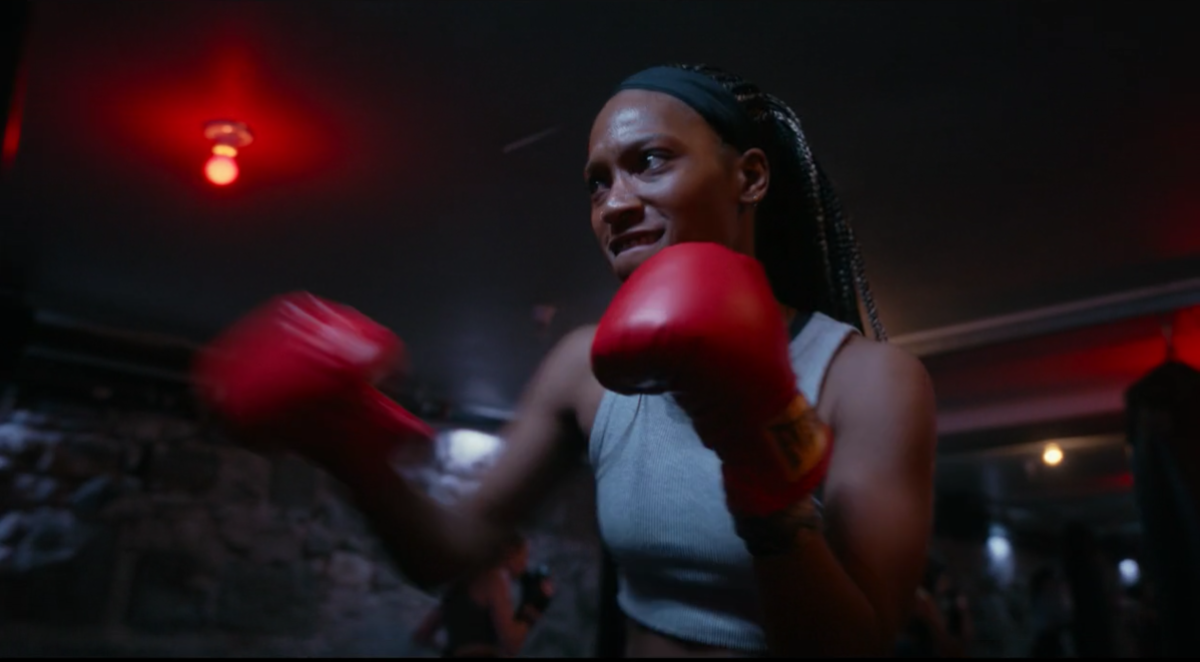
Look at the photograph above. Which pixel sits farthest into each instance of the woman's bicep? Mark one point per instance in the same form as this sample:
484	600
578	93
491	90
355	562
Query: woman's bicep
542	441
879	492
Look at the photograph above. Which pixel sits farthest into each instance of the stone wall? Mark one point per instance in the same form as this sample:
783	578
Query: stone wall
142	532
133	528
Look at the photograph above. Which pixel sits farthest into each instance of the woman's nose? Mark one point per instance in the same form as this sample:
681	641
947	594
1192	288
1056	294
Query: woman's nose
622	208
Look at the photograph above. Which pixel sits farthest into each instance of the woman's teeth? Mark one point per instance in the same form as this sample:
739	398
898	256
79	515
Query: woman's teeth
633	242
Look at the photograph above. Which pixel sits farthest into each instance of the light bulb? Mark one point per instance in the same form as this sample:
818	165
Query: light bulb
227	137
1130	572
221	170
999	548
1052	455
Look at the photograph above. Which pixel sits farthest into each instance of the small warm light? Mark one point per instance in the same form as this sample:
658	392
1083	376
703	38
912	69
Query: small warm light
1052	455
227	136
221	170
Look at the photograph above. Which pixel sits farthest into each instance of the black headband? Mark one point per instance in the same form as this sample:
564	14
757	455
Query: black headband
704	95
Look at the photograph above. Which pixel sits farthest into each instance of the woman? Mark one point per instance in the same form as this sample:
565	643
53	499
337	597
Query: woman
722	547
477	615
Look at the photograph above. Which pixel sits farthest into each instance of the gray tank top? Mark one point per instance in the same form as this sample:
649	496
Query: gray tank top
682	569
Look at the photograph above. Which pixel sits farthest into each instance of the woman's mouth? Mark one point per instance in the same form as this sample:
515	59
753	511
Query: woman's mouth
631	240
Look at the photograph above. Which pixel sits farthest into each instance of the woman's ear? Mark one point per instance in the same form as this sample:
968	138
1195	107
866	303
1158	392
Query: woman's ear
755	176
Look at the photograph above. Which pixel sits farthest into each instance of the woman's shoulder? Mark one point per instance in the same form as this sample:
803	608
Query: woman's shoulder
578	341
862	358
874	375
564	380
570	361
587	393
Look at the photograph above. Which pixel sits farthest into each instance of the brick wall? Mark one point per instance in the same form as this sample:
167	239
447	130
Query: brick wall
141	531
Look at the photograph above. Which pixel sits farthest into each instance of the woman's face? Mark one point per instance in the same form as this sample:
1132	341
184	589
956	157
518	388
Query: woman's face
659	175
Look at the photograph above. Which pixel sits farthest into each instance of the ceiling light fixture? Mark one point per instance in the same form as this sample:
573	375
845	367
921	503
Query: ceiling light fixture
227	137
1052	455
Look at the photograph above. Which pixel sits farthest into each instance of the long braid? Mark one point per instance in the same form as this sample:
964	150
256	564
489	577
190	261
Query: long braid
815	264
786	119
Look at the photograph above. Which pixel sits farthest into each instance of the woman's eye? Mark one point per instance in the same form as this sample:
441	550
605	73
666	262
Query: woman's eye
652	160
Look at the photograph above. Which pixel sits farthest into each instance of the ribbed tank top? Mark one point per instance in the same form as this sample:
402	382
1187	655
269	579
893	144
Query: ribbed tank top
683	571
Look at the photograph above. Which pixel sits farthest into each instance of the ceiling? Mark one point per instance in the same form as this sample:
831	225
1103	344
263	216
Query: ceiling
996	157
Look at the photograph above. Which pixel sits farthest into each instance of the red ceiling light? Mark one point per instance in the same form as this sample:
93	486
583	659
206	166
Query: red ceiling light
227	137
221	170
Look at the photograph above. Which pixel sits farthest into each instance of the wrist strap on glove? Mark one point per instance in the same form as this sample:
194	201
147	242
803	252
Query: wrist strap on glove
775	534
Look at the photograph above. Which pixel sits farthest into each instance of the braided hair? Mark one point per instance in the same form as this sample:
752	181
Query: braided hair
802	235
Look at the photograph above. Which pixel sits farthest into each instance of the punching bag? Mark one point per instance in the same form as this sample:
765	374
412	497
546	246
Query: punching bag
1163	414
1083	568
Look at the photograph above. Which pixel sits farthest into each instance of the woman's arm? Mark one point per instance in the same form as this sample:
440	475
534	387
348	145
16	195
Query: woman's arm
849	591
433	544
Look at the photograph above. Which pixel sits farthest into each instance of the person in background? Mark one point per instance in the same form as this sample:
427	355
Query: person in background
941	620
1147	637
477	612
1050	615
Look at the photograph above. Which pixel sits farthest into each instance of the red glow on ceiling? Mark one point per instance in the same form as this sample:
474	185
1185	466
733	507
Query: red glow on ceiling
1068	360
159	112
221	170
330	127
12	129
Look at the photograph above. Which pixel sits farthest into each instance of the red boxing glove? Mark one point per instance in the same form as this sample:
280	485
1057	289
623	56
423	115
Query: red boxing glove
700	321
300	372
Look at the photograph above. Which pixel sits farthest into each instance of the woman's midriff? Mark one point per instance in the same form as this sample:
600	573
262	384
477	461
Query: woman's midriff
641	641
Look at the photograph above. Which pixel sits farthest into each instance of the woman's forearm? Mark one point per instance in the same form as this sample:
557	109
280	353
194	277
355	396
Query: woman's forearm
813	607
430	543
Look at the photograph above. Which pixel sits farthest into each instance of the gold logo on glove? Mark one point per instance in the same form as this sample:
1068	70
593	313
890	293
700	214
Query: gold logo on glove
799	439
